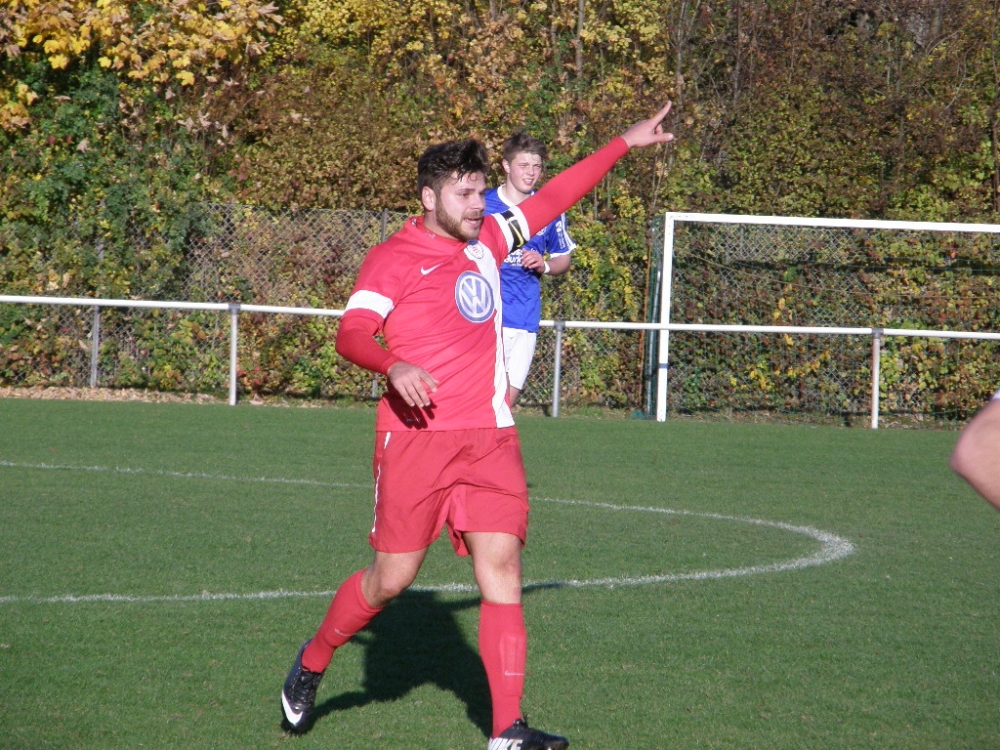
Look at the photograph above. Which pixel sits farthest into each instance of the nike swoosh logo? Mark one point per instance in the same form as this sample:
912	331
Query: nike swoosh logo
291	714
425	271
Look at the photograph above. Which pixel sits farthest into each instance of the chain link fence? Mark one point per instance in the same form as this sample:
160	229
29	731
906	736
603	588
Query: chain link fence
231	253
742	274
304	258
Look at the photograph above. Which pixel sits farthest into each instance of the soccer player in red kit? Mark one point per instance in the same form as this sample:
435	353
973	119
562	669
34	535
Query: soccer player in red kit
446	450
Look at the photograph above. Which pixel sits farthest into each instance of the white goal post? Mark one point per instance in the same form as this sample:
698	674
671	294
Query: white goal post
671	220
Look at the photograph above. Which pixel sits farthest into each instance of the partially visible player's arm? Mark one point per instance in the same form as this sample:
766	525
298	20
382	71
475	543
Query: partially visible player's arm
559	264
554	266
356	343
558	246
976	457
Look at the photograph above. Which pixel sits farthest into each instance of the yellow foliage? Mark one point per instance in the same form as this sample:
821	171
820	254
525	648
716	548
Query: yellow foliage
25	94
13	114
53	45
195	38
391	31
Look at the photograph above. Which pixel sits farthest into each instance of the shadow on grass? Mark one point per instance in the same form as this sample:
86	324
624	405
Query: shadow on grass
415	641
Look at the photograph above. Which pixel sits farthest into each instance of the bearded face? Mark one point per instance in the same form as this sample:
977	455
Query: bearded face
456	210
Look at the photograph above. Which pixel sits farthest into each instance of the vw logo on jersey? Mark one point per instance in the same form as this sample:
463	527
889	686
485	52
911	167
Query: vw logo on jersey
474	297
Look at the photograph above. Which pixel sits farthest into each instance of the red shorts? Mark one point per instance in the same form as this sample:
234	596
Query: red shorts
467	480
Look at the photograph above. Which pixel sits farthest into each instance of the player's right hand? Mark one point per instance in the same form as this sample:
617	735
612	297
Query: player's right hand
649	132
532	261
413	383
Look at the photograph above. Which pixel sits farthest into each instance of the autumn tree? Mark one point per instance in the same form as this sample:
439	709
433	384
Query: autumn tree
103	129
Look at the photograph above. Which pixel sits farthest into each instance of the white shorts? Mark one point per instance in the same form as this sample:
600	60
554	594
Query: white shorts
518	350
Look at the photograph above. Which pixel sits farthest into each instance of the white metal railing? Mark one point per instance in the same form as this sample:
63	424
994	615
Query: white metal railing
877	334
233	310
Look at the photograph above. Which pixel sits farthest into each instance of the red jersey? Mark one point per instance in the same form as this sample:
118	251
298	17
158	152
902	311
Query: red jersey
436	300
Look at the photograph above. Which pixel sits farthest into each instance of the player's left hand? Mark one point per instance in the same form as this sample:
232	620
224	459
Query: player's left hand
648	132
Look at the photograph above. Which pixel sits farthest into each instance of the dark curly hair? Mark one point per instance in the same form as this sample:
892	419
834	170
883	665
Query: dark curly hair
450	159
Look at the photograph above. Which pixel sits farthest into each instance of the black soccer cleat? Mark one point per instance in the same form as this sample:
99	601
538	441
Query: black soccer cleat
519	736
298	695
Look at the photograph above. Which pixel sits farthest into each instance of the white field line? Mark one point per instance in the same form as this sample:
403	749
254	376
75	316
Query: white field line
832	548
176	474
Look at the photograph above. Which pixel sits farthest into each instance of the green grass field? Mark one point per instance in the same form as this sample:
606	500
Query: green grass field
162	563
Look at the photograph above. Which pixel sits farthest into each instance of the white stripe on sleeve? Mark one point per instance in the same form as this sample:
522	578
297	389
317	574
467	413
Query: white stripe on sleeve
365	300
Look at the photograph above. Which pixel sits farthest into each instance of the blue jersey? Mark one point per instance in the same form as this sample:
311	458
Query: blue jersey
520	289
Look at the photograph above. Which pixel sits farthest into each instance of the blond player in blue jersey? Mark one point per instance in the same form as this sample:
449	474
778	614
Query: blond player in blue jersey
547	253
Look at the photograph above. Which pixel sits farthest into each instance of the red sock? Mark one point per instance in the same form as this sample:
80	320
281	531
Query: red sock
348	613
503	644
